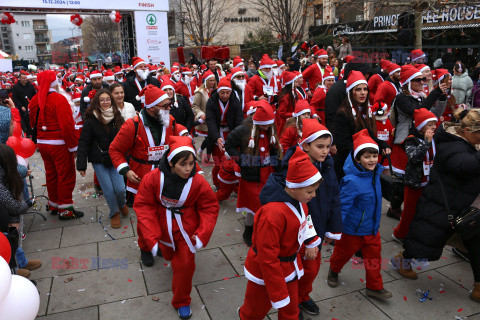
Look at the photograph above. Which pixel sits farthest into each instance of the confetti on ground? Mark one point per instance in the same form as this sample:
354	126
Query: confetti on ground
155	299
361	279
123	231
430	277
441	291
129	280
228	234
225	278
444	258
460	310
123	301
81	290
68	279
216	291
405	298
125	227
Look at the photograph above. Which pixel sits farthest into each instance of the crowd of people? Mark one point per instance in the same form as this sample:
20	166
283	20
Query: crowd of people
303	145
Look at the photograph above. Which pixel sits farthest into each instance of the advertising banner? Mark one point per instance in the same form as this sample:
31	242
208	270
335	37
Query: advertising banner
131	5
151	30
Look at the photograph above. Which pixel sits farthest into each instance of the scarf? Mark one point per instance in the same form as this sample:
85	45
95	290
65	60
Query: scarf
107	115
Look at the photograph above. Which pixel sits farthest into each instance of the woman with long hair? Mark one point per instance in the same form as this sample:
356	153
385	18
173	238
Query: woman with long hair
127	110
103	120
353	116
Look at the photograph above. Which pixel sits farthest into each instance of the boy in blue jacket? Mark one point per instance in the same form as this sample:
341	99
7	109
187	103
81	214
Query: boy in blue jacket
324	208
361	203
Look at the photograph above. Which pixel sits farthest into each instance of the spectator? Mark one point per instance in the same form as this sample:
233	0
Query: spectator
102	123
200	98
343	49
22	93
127	110
462	84
457	171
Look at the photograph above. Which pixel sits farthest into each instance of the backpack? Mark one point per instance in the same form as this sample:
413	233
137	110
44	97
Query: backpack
393	114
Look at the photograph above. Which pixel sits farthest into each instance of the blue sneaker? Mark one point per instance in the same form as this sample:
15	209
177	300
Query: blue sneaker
184	312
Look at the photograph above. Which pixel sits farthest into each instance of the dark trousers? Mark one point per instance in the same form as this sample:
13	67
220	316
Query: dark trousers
473	247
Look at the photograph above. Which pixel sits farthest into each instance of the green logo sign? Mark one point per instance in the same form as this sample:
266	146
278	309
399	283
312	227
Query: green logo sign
151	19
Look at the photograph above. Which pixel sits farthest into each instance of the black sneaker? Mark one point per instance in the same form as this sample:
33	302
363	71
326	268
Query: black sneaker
359	254
300	315
310	307
461	254
147	258
332	279
394	213
247	235
70	214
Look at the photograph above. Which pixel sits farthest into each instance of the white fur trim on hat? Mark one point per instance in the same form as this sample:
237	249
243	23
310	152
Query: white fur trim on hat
154	103
111	78
293	185
96	75
363	146
263	123
211	75
224	88
393	71
356	83
139	63
416	74
237	73
301	112
315	136
77	99
422	56
426	67
178	150
421	125
168	86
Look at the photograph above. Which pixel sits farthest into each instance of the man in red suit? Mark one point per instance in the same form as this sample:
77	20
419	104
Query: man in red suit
51	115
265	85
145	138
314	73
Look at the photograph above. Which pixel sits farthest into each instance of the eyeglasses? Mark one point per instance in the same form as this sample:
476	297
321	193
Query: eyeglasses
419	79
105	100
240	77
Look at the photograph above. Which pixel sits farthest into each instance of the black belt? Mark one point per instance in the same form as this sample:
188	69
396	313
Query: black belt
155	163
175	210
291	258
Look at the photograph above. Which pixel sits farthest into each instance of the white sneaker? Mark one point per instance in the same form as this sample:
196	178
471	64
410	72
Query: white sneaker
397	239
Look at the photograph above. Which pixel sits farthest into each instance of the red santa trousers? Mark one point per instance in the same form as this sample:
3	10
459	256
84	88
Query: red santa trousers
372	259
310	268
257	303
228	181
410	199
60	173
218	158
183	267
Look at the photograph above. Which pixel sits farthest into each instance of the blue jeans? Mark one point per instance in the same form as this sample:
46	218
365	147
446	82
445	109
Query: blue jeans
22	261
112	185
26	195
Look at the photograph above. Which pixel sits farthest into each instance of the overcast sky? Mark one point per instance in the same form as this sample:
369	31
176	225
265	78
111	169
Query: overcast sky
61	27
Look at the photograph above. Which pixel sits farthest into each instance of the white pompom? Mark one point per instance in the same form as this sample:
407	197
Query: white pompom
86	99
251	143
262	149
44	128
137	98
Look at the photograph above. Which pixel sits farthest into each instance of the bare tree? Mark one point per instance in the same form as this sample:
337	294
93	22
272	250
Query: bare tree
100	34
203	19
285	17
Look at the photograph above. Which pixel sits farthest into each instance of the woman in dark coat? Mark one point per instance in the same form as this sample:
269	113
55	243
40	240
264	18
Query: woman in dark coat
457	167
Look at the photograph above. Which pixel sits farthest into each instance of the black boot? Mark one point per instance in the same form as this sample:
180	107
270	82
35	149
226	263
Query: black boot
247	235
147	258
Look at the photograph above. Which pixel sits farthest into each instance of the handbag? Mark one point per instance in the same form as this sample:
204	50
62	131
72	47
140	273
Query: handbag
106	160
467	222
392	186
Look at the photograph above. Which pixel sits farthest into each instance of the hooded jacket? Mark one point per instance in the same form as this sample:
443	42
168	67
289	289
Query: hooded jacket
360	198
462	86
11	205
416	149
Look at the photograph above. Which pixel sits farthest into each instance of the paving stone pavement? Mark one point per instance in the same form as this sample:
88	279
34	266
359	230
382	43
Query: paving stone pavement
105	280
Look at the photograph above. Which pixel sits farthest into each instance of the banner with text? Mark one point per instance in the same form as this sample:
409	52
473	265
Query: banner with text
160	5
151	30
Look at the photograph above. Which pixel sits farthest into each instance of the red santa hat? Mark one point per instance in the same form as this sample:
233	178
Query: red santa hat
251	107
90	96
80	77
117	70
422	116
355	78
235	72
328	74
76	97
266	62
186	70
168	84
392	68
208	75
152	68
408	73
161	64
109	76
136	61
280	63
416	55
224	84
348	58
126	67
179	144
151	95
301	107
301	171
95	74
384	64
312	130
421	67
237	62
46	80
263	116
321	54
362	140
379	109
439	74
288	77
175	67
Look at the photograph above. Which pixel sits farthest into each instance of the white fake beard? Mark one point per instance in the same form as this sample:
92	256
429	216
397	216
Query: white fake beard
176	76
143	74
241	84
164	115
187	79
268	74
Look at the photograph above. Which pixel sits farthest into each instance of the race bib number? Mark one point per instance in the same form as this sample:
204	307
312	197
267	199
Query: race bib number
156	153
268	90
383	135
302	233
310	228
426	167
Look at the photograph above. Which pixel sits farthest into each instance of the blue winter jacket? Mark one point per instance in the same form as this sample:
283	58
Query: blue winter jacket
325	206
360	198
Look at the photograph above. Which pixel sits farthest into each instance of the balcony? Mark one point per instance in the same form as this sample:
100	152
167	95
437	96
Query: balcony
43	52
41	40
40	27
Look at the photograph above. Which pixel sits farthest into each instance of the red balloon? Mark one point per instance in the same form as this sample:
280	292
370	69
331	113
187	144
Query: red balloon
5	250
22	146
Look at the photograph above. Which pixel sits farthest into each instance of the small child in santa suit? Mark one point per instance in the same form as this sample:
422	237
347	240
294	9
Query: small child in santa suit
282	226
293	128
420	149
361	199
324	208
177	211
384	126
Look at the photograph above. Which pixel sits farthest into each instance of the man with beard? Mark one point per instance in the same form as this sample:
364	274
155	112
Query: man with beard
145	137
96	83
388	89
314	73
137	79
175	76
265	84
240	89
184	86
22	93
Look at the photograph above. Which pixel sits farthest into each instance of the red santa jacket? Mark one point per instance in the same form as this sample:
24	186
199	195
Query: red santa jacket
386	92
318	103
58	121
273	259
184	90
126	142
285	111
289	137
256	84
313	75
384	129
373	84
199	211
